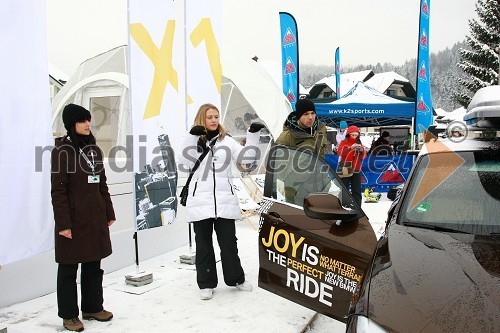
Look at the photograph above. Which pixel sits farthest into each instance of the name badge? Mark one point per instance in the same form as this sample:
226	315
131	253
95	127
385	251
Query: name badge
94	179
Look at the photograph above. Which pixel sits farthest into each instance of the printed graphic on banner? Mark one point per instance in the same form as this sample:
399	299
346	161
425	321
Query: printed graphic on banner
391	176
423	105
364	179
289	57
290	67
289	38
291	97
162	89
380	172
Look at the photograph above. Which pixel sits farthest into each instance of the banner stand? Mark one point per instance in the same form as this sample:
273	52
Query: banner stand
138	278
190	257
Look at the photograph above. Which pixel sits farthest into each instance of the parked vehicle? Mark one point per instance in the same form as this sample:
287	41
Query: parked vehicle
436	268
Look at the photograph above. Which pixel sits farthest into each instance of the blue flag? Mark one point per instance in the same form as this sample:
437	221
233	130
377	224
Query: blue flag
423	103
289	57
337	72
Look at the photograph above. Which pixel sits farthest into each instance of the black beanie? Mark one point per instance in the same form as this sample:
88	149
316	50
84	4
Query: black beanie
304	105
73	113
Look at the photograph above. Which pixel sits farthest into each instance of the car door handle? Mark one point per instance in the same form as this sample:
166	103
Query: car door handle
273	218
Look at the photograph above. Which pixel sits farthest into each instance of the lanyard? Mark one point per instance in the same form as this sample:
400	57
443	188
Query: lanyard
90	164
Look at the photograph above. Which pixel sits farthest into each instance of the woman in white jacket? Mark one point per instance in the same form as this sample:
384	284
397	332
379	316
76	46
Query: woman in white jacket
212	203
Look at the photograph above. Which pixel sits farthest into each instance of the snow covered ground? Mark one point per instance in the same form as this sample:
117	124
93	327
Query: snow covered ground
171	303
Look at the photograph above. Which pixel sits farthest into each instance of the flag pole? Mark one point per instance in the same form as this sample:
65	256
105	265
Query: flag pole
187	258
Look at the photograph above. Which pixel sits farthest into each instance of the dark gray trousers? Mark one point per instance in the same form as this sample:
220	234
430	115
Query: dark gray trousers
355	182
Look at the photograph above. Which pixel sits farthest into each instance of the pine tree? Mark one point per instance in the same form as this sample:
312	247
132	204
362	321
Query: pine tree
480	62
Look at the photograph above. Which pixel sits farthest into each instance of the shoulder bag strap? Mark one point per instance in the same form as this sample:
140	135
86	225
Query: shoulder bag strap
198	162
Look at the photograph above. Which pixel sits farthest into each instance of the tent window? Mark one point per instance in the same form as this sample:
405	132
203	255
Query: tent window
105	112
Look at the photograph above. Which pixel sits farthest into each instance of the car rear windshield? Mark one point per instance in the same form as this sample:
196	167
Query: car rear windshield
456	191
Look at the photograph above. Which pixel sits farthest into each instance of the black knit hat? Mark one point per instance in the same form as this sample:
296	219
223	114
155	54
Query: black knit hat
304	105
73	113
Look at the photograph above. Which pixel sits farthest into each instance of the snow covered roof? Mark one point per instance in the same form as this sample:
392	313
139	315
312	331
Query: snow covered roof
455	115
347	81
382	81
441	112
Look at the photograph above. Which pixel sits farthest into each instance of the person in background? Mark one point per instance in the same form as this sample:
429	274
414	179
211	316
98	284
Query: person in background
456	132
352	150
83	213
302	129
382	146
212	203
341	131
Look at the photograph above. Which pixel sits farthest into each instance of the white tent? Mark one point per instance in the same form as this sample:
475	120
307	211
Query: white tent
249	89
99	84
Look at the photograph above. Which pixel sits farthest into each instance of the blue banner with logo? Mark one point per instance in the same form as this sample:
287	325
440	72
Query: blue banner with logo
289	57
380	172
423	103
337	72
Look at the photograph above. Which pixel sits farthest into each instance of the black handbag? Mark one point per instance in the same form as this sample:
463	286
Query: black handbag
185	190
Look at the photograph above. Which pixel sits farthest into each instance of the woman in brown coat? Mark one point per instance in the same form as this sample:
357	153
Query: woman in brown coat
83	213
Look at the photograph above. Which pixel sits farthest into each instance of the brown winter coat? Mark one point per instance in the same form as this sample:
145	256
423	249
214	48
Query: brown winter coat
82	207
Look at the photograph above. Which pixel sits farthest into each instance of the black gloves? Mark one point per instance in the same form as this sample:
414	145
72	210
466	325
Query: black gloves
198	130
255	127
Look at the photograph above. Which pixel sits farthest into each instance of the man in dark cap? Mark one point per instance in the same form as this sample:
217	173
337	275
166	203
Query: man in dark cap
302	129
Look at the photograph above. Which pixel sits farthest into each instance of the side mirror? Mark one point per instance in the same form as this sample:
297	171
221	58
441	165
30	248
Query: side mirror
324	206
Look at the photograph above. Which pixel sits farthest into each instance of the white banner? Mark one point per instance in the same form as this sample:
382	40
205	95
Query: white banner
27	226
167	59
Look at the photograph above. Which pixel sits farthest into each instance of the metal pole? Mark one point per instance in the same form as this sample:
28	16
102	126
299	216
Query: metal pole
136	252
190	240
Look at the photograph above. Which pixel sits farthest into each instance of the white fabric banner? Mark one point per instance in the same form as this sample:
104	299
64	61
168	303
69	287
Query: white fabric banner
166	60
27	226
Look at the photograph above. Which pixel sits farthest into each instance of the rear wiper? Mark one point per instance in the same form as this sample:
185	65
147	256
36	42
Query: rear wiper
433	227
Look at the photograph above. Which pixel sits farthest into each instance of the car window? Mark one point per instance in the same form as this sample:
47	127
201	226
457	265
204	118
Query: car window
294	173
464	198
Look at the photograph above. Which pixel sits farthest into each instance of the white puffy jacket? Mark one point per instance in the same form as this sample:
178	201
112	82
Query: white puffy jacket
211	191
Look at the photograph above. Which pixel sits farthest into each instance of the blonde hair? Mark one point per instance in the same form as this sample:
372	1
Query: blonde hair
201	116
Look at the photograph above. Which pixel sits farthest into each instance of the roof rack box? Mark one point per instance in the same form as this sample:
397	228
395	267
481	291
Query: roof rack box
484	109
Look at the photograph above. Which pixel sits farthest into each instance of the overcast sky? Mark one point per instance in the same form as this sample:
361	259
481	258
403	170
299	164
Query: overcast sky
367	31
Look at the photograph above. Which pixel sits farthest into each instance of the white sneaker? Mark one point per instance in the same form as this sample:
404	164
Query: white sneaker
206	293
245	286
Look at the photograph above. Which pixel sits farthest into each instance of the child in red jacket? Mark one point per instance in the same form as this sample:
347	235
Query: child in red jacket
352	150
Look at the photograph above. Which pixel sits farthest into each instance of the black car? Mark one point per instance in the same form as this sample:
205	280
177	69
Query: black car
436	268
